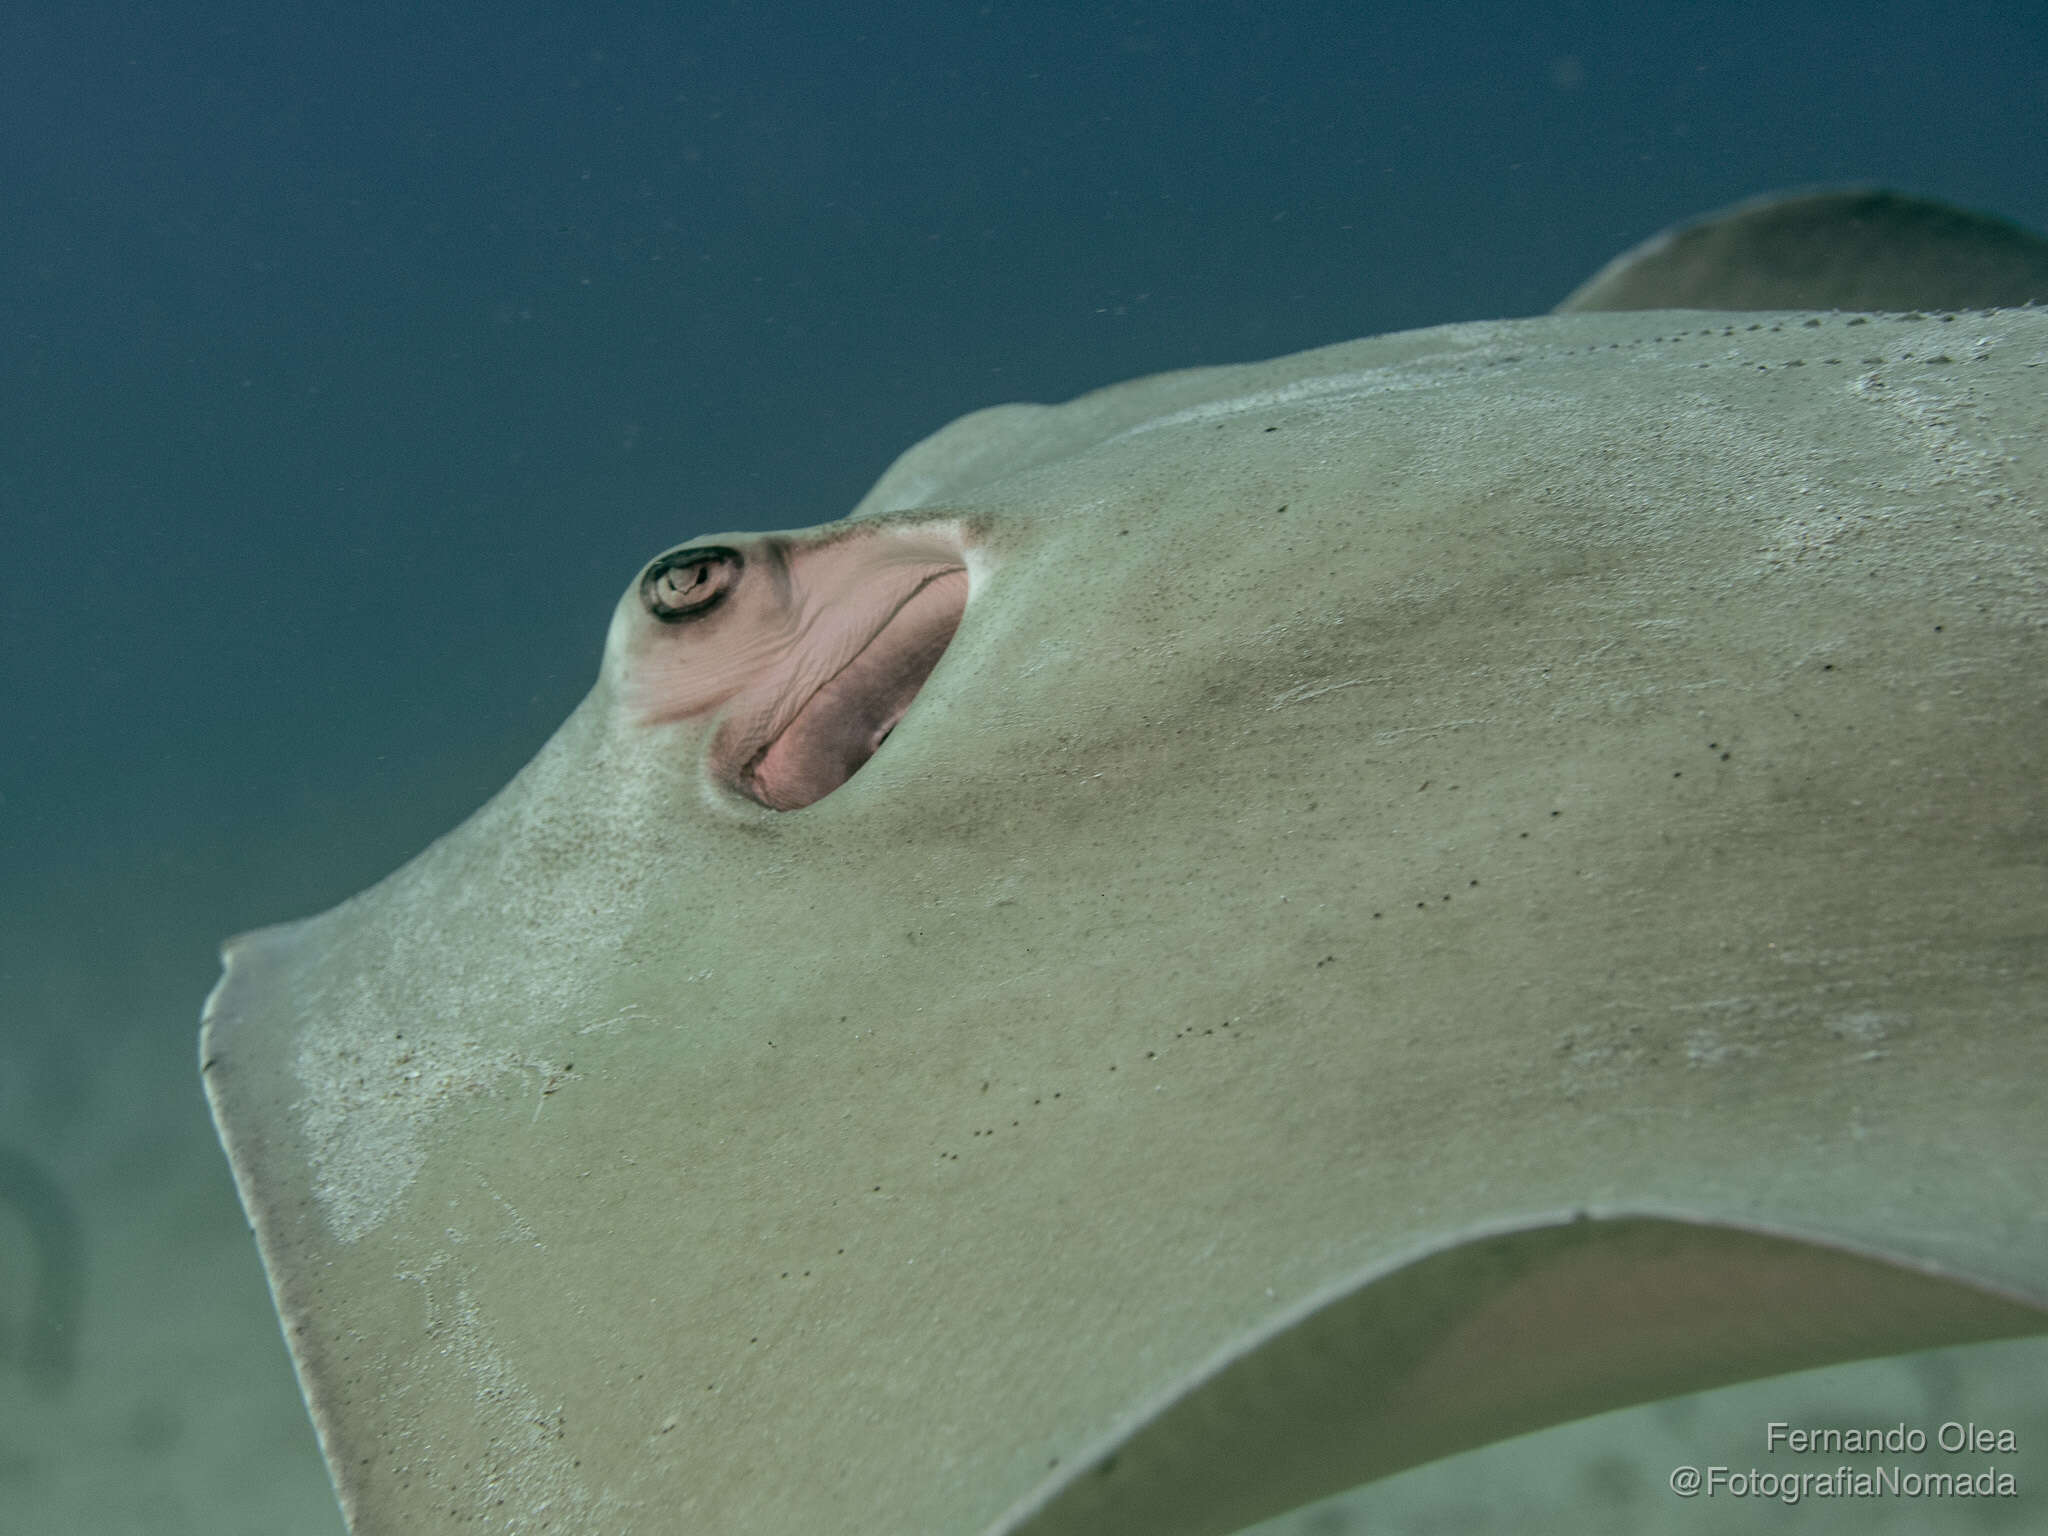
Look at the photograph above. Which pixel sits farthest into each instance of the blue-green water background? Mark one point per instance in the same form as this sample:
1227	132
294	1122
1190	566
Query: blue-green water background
353	357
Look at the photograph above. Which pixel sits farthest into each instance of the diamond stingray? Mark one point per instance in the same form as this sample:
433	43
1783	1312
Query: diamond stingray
1207	944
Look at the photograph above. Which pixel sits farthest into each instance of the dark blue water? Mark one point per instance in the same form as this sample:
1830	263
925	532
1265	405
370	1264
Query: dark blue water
352	358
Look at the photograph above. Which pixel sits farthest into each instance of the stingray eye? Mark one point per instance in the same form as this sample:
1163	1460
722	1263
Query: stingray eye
689	583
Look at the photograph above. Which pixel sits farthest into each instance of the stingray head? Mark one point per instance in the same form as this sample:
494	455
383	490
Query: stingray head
794	655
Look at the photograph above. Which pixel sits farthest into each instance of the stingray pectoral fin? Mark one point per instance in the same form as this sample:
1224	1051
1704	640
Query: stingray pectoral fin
1859	248
253	1093
1495	1336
